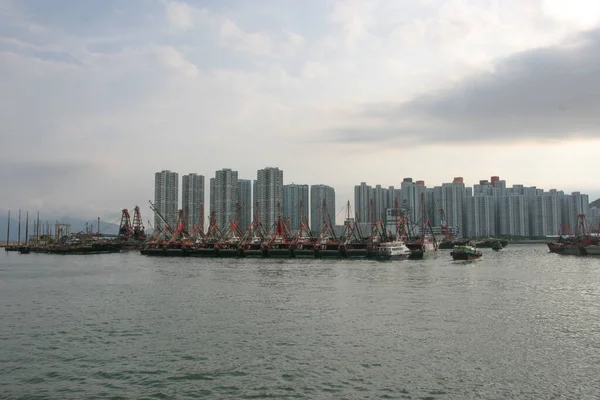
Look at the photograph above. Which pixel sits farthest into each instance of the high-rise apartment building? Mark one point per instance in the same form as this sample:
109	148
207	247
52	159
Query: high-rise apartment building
573	205
269	195
363	195
295	205
223	196
380	204
192	198
513	215
166	198
480	216
451	197
413	199
545	214
321	196
244	193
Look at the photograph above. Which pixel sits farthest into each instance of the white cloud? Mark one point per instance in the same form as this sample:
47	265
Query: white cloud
314	70
180	14
211	89
256	43
177	60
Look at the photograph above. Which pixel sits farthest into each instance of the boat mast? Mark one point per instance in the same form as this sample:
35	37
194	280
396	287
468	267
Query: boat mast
19	230
26	228
8	229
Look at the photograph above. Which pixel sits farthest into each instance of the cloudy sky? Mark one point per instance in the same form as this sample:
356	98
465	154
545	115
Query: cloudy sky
96	96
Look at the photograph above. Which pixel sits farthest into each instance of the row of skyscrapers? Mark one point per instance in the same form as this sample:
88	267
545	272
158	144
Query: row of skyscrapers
232	198
487	209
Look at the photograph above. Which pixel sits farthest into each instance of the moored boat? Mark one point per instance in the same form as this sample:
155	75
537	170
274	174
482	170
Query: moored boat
448	244
422	247
556	247
396	250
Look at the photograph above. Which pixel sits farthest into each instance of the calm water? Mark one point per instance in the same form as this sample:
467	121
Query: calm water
521	323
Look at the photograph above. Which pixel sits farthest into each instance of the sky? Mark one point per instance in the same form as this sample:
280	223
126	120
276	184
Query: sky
96	96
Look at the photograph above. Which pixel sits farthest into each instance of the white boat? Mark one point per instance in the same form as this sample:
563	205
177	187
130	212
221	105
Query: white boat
395	250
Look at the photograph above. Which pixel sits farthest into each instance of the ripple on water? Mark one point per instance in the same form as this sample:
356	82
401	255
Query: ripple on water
125	324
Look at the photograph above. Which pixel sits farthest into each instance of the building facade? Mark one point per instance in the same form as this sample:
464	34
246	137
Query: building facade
223	197
269	195
295	205
480	216
322	207
363	196
244	193
166	198
192	198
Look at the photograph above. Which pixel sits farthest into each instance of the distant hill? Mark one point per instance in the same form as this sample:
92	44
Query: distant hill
595	203
77	225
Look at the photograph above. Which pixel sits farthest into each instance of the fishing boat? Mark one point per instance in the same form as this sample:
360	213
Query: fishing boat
490	243
423	247
556	247
465	252
449	243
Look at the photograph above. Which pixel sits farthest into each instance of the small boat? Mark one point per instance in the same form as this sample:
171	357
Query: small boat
497	246
395	250
448	244
465	252
24	250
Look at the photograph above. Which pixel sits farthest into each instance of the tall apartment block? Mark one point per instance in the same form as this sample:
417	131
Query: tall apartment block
480	216
451	198
192	197
166	198
269	195
412	198
513	215
573	205
295	205
319	195
545	214
223	196
244	193
363	195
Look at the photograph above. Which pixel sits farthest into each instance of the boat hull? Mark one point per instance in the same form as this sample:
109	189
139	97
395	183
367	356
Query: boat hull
228	253
204	252
303	253
279	253
356	253
592	250
465	257
573	250
392	257
252	253
328	254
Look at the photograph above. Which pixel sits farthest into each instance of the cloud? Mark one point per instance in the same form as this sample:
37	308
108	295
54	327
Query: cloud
255	43
547	93
180	14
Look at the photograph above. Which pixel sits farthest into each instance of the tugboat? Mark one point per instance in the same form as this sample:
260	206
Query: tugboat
465	252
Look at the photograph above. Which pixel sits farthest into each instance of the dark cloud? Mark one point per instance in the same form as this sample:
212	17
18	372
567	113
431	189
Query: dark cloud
548	93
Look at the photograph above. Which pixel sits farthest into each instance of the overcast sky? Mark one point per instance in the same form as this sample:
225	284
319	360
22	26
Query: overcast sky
97	95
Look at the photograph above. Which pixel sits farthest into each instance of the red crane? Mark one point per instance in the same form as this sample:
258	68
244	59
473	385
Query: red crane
125	229
139	232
